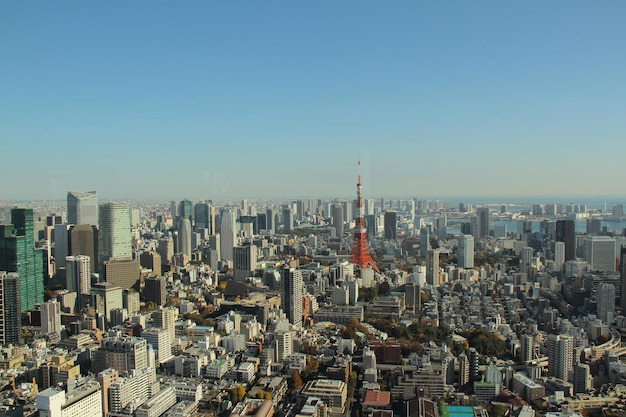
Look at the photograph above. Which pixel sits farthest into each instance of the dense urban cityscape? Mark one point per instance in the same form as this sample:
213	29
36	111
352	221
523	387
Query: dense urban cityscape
312	209
311	307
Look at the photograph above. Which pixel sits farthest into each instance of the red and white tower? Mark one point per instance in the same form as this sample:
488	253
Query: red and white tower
360	254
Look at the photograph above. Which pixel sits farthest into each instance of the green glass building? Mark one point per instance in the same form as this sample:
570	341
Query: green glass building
18	254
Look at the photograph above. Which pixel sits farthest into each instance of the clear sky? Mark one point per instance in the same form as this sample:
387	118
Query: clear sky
214	99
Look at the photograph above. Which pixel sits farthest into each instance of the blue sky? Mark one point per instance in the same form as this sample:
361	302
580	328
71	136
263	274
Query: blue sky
208	99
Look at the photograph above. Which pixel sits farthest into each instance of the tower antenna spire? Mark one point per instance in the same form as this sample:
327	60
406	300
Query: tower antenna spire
360	254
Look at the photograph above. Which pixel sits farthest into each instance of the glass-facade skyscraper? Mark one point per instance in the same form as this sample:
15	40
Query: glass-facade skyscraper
82	208
115	237
18	254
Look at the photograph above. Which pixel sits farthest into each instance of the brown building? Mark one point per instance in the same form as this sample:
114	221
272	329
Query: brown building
151	260
84	241
124	273
389	351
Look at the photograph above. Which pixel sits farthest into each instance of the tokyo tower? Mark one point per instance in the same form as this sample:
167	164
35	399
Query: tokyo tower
360	254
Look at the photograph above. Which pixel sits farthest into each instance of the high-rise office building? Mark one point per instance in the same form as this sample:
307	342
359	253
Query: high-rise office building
582	378
82	208
593	227
338	222
84	241
390	222
466	251
155	290
605	299
559	254
244	262
566	233
106	297
560	355
201	216
526	258
165	318
18	254
159	339
424	241
78	274
483	221
527	347
125	273
185	210
10	319
601	253
291	293
151	260
131	301
287	220
228	235
50	317
184	237
165	248
115	237
61	244
122	353
432	268
442	225
269	213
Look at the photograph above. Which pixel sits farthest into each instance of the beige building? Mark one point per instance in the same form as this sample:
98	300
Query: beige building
333	393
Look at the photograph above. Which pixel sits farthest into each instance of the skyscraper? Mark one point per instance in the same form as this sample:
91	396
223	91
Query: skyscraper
601	253
424	241
390	222
432	268
51	317
185	210
84	241
10	320
483	221
155	290
18	254
559	254
269	213
291	293
287	220
526	257
466	251
228	234
184	237
565	232
82	208
338	219
61	244
244	262
165	318
593	227
78	274
527	347
201	216
606	302
560	355
115	238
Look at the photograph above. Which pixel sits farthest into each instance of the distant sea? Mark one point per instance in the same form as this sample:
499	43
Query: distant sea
454	227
